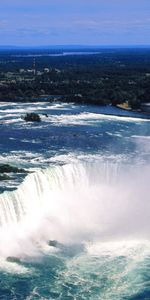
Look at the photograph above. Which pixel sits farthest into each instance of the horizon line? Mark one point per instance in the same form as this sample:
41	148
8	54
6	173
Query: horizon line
77	45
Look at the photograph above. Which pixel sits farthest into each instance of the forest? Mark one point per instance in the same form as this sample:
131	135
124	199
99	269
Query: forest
96	76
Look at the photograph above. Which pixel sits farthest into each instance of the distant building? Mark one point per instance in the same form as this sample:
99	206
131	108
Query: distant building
39	73
46	70
57	71
31	71
22	70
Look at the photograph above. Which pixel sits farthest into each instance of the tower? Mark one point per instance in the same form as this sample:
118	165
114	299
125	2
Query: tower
34	67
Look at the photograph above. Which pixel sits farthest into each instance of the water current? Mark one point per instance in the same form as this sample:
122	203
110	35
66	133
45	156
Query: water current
77	225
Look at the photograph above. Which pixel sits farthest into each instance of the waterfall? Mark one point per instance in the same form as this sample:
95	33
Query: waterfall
38	188
77	202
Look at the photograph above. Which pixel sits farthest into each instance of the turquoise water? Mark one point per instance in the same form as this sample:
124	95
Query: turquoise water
77	226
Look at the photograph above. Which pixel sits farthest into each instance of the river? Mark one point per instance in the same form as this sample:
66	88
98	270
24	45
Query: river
77	226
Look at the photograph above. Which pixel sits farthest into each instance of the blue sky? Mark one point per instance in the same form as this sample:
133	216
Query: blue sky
86	22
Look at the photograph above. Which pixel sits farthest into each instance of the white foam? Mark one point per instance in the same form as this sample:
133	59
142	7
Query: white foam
141	137
90	118
75	203
134	249
13	115
12	267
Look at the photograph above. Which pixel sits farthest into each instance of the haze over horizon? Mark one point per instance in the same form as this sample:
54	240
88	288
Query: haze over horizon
84	22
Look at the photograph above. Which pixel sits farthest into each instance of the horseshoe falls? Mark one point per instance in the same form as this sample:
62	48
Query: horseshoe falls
76	225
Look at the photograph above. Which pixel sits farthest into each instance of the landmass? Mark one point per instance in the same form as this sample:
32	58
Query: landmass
120	77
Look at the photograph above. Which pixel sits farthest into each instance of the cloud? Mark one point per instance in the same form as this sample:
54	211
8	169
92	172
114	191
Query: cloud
84	21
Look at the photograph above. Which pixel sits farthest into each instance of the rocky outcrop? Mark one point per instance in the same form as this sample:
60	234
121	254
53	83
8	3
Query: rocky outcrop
4	177
5	168
32	117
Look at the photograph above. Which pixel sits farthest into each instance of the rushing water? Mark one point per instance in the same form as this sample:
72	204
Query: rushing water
77	226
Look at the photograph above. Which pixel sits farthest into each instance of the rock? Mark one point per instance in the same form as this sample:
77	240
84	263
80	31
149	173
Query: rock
5	168
13	259
32	117
53	243
4	177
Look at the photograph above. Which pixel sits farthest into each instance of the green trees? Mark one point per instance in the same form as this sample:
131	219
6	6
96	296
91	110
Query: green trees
113	76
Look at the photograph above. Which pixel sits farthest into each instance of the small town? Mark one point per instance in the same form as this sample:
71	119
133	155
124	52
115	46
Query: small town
98	78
